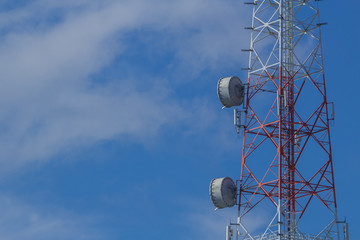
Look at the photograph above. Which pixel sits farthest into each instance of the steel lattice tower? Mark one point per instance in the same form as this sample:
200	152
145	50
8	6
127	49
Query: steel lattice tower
286	156
287	173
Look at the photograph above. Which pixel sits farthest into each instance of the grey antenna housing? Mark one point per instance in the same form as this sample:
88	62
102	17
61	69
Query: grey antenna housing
223	192
231	91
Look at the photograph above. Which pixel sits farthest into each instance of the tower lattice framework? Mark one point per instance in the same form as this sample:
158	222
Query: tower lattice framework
287	162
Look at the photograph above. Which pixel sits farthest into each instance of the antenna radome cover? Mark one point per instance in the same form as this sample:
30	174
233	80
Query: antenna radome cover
231	91
223	192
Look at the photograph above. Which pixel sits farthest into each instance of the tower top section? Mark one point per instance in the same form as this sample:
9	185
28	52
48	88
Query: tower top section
286	164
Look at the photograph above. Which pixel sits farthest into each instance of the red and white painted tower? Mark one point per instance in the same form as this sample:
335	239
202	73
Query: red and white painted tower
287	171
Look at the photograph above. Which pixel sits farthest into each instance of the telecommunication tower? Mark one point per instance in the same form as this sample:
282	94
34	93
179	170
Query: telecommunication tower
284	116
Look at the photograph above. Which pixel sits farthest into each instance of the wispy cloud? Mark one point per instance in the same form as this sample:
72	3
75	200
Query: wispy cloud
20	221
51	51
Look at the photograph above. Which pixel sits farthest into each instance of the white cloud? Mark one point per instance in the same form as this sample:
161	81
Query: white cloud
19	221
48	98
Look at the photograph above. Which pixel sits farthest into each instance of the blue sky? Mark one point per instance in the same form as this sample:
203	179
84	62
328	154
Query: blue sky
110	123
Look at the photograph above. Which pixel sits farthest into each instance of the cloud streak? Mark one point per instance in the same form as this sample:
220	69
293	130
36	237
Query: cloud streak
25	222
51	51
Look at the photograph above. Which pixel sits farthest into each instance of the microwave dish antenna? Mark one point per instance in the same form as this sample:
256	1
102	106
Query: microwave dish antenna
223	192
231	91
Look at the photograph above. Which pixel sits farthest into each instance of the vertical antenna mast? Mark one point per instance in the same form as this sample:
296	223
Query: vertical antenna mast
286	168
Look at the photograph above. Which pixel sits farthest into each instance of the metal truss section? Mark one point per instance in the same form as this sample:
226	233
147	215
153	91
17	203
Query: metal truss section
286	157
274	236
